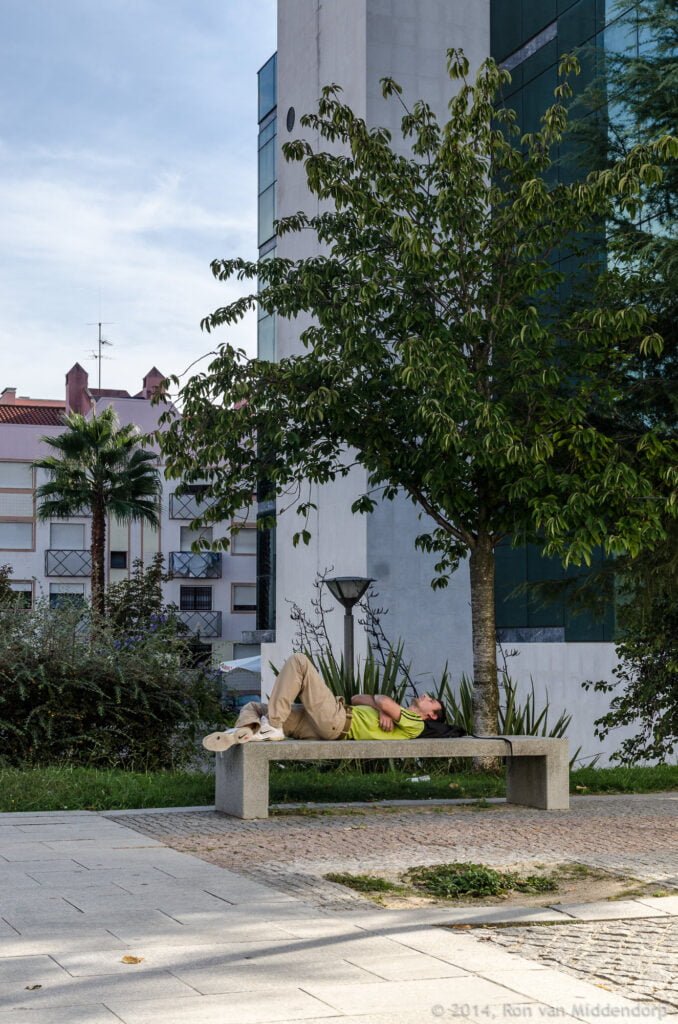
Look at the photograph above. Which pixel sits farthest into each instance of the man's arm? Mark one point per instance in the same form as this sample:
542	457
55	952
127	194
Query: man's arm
387	707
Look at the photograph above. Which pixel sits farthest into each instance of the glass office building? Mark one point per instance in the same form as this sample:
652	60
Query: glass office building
528	37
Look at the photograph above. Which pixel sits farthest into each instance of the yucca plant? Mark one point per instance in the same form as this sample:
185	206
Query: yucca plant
514	718
370	676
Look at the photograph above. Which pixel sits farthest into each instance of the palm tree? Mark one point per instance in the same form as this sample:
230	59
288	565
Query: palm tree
99	470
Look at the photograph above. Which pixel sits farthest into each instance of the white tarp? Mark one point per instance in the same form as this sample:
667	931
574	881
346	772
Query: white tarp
242	664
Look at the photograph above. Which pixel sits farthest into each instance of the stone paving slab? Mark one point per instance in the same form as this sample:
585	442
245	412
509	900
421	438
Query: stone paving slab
94	1013
613	910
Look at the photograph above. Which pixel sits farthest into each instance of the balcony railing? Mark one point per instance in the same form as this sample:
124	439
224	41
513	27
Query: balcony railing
188	506
205	624
68	563
204	566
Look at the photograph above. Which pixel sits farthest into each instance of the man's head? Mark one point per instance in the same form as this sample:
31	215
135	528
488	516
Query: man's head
428	708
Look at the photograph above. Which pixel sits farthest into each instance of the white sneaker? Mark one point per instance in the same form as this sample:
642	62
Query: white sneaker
223	740
268	731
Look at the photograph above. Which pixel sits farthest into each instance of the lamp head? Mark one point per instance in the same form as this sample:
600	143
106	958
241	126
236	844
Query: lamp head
348	589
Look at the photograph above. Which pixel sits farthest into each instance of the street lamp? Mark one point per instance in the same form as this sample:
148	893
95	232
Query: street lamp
348	590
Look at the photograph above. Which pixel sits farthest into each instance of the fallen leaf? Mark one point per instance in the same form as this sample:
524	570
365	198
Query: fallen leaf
131	960
32	988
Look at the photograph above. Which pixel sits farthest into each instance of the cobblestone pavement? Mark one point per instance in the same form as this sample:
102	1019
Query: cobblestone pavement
630	833
638	959
635	834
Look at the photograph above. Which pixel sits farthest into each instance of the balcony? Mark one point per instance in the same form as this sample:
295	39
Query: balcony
188	565
203	624
60	562
188	506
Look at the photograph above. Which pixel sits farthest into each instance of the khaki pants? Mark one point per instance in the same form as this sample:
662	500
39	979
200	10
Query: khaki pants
319	716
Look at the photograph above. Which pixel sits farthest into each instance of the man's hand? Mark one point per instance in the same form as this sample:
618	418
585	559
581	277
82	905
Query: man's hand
385	722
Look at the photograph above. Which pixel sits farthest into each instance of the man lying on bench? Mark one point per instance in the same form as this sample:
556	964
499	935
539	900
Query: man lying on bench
322	716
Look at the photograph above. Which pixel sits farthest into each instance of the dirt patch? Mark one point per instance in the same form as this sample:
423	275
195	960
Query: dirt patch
576	883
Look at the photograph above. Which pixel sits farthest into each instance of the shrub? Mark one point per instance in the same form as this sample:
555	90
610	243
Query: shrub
645	691
101	698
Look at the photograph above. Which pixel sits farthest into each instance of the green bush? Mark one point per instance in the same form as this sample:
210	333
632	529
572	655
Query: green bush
98	697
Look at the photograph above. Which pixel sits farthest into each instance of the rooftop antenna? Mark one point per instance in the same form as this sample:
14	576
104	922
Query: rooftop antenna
102	342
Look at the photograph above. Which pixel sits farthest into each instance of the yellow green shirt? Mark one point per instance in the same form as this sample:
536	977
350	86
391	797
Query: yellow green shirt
365	725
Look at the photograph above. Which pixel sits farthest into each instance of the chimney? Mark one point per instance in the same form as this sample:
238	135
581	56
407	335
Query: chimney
152	382
77	395
8	396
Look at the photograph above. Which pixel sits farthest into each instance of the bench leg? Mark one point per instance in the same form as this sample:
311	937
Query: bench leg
241	783
542	782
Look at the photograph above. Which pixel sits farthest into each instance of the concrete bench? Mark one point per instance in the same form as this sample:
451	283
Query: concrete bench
537	774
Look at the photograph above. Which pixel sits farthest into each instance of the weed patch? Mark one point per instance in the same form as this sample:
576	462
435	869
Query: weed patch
464	878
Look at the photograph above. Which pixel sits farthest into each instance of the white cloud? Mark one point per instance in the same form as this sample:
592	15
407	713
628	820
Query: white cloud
125	168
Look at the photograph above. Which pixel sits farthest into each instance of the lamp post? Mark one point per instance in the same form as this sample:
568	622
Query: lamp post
348	590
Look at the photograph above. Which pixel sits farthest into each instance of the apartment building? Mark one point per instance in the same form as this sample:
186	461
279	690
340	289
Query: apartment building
214	591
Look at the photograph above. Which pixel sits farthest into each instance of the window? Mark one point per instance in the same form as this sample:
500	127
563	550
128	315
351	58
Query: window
61	594
267	86
266	339
200	654
17	475
67	536
16	536
267	164
243	597
195	599
196	489
266	214
525	615
118	559
189	536
24	592
246	650
244	542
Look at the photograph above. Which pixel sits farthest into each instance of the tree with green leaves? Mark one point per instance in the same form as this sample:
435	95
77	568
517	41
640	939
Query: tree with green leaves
100	470
439	356
637	99
7	596
644	693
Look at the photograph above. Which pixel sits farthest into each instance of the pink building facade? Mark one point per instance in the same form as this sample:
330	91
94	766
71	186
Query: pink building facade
214	591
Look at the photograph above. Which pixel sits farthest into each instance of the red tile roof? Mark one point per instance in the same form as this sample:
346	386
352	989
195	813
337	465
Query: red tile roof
33	415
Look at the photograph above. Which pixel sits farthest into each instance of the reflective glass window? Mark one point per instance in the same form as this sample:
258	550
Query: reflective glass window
266	214
267	87
267	165
266	339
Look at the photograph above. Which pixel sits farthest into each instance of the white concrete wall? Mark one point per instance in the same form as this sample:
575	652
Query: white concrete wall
558	670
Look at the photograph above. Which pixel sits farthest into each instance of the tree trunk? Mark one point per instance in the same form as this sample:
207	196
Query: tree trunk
485	687
98	550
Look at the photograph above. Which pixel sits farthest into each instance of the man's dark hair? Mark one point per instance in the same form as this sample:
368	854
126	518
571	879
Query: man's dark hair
437	729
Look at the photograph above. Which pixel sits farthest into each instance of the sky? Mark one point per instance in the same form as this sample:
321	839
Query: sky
127	163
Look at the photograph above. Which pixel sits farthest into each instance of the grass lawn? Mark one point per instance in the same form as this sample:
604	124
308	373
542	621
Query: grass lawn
70	788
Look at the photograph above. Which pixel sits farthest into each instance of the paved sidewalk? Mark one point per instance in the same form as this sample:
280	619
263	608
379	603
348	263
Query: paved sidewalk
80	892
